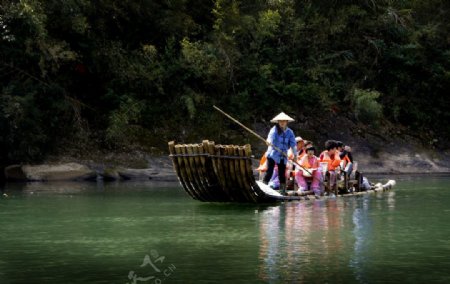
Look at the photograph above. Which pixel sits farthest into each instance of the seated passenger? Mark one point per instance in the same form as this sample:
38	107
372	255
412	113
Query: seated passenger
274	182
300	148
308	143
331	156
290	166
346	160
339	146
263	166
311	163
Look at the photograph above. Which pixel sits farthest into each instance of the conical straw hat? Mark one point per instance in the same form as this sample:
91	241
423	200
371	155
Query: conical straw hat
281	116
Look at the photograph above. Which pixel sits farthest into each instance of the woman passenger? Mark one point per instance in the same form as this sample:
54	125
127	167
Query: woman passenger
311	163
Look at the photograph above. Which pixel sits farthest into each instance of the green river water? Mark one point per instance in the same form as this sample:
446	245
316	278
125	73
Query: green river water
95	233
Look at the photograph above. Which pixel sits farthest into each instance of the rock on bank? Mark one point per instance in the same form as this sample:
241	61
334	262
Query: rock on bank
159	170
61	172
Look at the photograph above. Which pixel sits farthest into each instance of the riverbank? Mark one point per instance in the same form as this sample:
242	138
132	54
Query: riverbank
159	168
385	149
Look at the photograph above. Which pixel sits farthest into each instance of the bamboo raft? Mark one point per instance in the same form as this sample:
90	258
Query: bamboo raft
224	173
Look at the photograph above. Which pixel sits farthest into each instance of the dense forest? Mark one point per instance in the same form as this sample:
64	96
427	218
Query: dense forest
128	72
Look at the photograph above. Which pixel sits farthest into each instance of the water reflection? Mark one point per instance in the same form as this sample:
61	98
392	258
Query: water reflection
36	188
310	241
362	232
69	187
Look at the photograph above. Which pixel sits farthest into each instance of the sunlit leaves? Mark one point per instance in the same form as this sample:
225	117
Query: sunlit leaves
367	108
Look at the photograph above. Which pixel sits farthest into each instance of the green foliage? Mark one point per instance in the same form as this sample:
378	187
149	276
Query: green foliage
202	59
121	70
367	109
123	121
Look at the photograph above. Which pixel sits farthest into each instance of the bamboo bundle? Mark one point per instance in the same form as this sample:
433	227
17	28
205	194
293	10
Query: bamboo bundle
210	172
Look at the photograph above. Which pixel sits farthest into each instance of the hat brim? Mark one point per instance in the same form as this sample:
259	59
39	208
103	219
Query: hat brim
278	120
282	117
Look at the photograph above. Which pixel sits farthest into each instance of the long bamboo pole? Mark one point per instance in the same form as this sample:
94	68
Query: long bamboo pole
259	137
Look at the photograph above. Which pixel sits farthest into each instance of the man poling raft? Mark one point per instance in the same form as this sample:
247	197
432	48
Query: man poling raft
283	138
274	138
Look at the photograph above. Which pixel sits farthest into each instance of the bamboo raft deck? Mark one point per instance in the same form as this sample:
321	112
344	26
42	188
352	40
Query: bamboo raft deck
224	173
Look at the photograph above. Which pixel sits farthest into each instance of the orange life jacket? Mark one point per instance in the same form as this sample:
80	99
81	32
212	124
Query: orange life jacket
263	164
333	162
304	162
302	155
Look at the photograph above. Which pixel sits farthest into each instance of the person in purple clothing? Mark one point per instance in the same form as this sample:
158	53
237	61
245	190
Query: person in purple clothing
283	138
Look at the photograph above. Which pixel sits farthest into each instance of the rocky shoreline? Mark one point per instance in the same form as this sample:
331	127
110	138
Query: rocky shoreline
160	168
387	149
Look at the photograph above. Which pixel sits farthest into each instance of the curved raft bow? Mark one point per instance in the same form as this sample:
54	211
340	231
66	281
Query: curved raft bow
210	172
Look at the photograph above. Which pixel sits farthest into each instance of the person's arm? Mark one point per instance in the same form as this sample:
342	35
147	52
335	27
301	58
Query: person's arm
290	154
270	139
349	154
